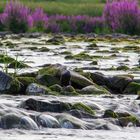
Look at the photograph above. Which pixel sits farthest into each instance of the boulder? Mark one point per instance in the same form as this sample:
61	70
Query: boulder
57	74
27	123
132	88
44	106
8	84
48	121
36	89
95	90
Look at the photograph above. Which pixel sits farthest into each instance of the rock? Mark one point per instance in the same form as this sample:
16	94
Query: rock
132	88
125	121
36	89
42	106
68	121
44	49
112	114
118	83
96	90
24	82
81	114
48	80
84	108
52	75
122	68
8	85
27	123
65	78
56	88
98	78
78	81
69	91
10	121
48	121
56	40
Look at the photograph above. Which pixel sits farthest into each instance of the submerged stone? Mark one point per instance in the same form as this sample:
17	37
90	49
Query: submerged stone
48	121
132	88
42	106
8	84
27	123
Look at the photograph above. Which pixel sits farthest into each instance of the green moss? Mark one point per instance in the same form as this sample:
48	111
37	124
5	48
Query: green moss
9	44
69	91
14	87
44	49
32	48
110	114
66	53
93	45
132	88
26	80
136	68
94	62
82	56
56	88
124	121
48	80
69	56
50	70
122	68
131	48
83	107
95	90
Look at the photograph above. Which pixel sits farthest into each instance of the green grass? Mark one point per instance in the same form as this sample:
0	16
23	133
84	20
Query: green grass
65	7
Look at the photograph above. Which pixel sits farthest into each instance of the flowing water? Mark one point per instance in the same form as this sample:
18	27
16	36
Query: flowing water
36	59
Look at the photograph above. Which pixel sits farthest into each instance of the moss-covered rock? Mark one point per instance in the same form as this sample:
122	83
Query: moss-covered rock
15	87
66	53
82	56
50	75
24	82
132	88
44	49
79	81
124	121
94	62
56	88
83	107
56	40
123	67
95	90
48	80
110	114
92	46
9	44
68	91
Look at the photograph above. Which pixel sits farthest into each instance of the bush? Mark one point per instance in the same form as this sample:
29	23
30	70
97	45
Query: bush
40	19
122	16
16	17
